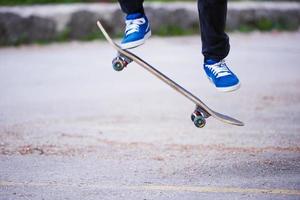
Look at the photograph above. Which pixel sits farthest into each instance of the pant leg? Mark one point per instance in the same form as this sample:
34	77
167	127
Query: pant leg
132	6
215	42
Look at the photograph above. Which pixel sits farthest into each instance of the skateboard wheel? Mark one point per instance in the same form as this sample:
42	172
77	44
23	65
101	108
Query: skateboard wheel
198	119
118	63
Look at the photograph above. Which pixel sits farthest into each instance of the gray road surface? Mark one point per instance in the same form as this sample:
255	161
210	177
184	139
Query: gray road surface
72	128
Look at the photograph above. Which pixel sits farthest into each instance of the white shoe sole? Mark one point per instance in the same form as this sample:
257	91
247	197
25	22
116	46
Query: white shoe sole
137	43
230	89
226	89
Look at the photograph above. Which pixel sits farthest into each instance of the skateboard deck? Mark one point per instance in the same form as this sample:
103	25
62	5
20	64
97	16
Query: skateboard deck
201	112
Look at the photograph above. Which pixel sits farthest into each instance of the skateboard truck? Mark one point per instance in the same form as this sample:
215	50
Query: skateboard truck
120	62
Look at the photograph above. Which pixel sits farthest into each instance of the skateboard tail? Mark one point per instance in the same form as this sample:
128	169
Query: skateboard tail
228	119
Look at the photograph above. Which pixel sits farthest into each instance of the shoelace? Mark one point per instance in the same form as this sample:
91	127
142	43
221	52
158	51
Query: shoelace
133	25
219	69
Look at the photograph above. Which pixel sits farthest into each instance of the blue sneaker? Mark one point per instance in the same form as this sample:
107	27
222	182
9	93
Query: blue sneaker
137	31
221	76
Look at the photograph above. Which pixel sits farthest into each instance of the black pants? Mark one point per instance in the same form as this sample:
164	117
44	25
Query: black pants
212	16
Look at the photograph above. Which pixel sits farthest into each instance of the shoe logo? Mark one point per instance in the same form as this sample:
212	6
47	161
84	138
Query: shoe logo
223	74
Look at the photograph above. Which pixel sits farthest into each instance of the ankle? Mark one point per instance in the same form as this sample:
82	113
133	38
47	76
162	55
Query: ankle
211	61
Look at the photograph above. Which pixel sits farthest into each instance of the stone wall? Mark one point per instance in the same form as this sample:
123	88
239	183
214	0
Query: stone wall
25	24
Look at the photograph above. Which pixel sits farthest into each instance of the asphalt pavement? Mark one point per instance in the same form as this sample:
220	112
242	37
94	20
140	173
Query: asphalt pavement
73	128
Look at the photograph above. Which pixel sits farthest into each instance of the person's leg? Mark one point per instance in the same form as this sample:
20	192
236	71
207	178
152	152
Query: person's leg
137	25
132	6
215	44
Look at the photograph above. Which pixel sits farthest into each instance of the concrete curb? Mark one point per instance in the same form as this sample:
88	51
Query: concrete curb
25	24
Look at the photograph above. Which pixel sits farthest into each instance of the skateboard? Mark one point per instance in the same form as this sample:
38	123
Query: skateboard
201	111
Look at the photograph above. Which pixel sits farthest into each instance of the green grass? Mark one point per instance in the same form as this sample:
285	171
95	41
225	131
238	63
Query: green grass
64	35
265	24
172	30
